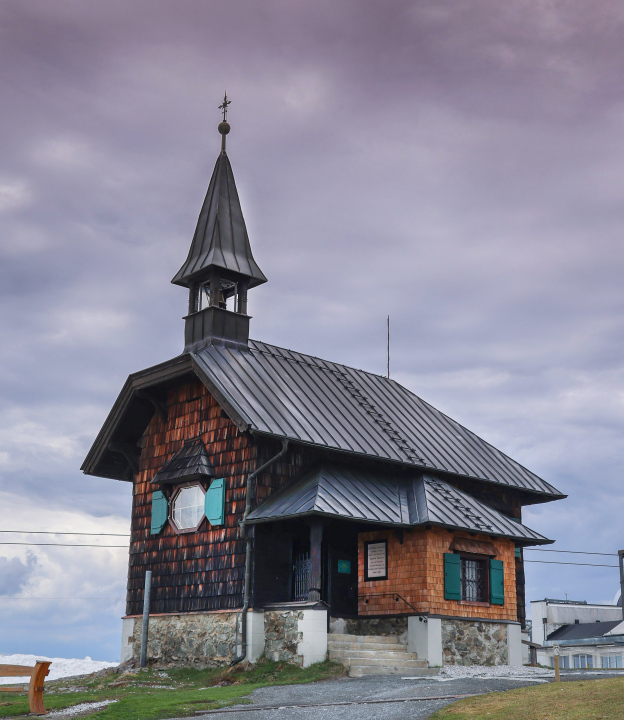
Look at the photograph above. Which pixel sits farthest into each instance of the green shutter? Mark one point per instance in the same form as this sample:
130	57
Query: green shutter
215	502
497	583
452	584
160	511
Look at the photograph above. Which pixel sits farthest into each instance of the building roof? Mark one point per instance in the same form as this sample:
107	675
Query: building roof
220	239
584	631
286	394
277	392
389	499
190	463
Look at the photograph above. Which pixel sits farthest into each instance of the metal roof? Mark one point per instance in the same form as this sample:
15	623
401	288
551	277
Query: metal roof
365	496
583	631
220	239
190	463
290	395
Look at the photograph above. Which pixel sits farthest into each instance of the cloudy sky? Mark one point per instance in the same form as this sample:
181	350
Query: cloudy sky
457	165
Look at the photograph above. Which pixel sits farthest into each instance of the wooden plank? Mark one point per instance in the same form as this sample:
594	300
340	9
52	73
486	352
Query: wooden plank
16	670
13	689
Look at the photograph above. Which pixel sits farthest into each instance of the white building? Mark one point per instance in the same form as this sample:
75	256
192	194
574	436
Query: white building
588	636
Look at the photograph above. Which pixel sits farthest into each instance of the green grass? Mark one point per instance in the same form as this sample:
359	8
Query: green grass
154	694
583	700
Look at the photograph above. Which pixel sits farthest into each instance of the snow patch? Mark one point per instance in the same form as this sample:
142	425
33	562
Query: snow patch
60	667
82	708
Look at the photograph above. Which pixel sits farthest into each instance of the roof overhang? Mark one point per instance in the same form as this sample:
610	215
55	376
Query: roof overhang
115	453
358	495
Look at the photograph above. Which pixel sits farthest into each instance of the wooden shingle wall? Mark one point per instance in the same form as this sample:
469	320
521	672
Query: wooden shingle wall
202	570
416	572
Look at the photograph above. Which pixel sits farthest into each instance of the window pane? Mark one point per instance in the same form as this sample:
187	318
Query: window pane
604	661
472	574
188	507
577	661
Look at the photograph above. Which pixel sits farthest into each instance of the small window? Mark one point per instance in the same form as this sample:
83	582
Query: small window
583	661
473	578
611	661
564	662
188	508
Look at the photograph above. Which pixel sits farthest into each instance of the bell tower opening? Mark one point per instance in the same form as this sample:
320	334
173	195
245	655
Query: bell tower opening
220	267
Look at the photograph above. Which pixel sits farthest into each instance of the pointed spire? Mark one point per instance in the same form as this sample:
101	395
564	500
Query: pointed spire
220	242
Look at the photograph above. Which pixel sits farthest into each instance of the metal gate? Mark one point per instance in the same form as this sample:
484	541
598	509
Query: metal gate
301	576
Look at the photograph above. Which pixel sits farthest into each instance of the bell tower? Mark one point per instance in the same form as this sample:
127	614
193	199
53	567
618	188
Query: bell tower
220	267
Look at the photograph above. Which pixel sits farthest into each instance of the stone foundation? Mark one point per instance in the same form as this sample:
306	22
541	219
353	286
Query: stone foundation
386	627
474	643
296	636
193	639
282	636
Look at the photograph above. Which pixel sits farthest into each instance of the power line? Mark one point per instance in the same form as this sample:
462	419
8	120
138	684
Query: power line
55	598
52	532
63	545
571	552
555	562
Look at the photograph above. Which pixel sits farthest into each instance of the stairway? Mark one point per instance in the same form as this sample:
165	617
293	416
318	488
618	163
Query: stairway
373	655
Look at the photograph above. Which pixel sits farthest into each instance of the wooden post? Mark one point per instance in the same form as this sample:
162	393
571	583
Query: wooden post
35	688
556	651
316	538
145	627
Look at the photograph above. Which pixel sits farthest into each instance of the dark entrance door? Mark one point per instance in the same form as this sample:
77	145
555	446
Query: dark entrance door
342	571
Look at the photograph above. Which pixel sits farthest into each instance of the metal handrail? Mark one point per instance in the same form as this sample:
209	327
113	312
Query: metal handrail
396	597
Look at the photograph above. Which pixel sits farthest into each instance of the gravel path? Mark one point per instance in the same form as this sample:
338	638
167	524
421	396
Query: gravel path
382	697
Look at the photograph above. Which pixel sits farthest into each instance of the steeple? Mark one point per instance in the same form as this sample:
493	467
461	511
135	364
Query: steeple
220	266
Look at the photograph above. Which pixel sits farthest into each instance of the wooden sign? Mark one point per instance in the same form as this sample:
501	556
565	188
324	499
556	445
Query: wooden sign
376	558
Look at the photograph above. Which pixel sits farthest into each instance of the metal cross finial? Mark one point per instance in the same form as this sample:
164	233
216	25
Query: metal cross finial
224	107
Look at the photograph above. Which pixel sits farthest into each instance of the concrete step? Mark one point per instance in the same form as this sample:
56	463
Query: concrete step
357	653
355	647
383	639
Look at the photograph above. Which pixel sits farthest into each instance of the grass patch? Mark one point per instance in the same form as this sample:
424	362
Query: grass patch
581	700
155	694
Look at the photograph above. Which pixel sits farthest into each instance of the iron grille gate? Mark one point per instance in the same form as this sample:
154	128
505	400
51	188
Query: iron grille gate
473	574
301	576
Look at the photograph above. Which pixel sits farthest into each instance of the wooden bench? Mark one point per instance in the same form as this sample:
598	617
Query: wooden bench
37	676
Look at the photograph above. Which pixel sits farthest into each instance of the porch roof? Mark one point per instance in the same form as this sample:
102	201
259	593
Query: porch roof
365	496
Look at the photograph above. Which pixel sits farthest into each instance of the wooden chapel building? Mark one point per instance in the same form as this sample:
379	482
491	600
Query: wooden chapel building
284	502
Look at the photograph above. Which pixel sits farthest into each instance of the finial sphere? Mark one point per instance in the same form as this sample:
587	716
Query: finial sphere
224	128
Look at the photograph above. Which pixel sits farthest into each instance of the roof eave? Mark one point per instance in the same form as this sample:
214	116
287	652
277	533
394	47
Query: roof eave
536	495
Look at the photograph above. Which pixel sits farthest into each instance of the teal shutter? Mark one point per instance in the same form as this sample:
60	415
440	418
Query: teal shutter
160	511
452	584
497	584
215	502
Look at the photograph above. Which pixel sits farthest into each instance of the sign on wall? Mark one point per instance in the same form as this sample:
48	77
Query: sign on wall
344	567
376	560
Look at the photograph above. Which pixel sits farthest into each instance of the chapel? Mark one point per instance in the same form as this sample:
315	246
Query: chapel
293	507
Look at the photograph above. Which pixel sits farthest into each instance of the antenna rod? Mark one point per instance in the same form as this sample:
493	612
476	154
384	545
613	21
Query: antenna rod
388	347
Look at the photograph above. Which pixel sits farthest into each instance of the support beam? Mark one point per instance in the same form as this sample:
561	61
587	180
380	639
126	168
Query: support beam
316	538
130	452
159	407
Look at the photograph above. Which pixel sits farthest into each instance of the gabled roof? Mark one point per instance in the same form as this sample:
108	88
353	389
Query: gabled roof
220	239
290	395
272	391
365	496
190	463
584	631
